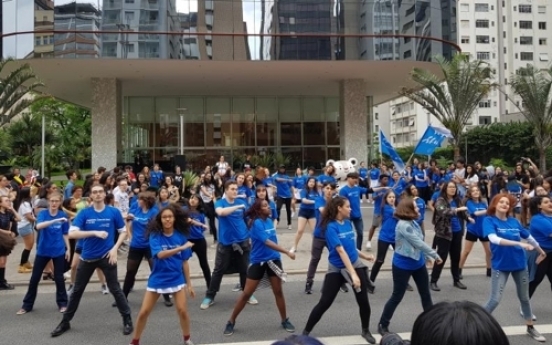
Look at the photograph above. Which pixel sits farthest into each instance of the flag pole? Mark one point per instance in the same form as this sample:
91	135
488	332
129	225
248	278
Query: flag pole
381	153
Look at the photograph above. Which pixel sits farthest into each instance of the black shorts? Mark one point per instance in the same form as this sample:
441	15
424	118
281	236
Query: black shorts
257	271
139	254
306	213
473	237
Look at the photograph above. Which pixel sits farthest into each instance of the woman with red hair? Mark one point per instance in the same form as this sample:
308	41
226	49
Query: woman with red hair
508	256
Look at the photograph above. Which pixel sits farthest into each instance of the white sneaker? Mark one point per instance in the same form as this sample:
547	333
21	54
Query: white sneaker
533	333
237	287
533	316
105	290
368	245
253	300
292	250
293	214
289	227
67	275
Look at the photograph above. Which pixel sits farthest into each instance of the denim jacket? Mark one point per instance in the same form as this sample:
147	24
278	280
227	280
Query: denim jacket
409	241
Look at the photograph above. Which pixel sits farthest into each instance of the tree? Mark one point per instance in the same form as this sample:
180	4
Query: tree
26	135
534	86
17	90
453	98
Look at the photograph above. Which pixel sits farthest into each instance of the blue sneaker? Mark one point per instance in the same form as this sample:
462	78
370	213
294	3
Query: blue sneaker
288	326
206	303
229	329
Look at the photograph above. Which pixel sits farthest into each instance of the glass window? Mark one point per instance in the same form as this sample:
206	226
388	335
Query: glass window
314	157
195	160
295	155
267	118
194	130
243	121
332	118
140	119
314	127
168	122
217	122
289	110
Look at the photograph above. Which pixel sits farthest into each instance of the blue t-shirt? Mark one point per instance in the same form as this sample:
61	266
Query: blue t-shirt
312	195
244	192
232	228
156	178
68	190
283	188
541	229
139	226
421	207
374	174
268	181
318	203
196	231
363	173
419	174
167	273
398	186
506	258
378	200
353	195
435	195
50	242
389	223
325	178
261	231
477	227
341	235
454	221
109	220
299	182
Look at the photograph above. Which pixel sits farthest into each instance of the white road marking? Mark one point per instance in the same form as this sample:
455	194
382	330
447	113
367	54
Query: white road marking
357	339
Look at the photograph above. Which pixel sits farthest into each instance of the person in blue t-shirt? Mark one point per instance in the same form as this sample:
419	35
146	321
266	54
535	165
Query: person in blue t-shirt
96	226
541	229
307	215
413	193
138	219
299	183
508	256
353	193
197	228
477	209
234	247
345	266
264	262
377	196
53	244
318	238
363	179
327	176
398	183
284	186
170	251
156	177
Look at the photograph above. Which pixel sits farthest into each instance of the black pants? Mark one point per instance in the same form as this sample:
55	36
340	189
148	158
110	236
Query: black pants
287	202
444	248
200	248
210	213
380	258
400	282
84	272
226	255
332	283
39	265
543	269
318	245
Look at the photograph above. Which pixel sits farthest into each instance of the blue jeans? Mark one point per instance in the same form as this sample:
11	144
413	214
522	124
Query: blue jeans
400	282
359	228
39	265
498	281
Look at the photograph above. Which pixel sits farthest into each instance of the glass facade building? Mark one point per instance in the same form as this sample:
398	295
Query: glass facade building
181	47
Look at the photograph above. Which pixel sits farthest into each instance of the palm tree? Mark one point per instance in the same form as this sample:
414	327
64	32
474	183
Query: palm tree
15	89
453	98
534	87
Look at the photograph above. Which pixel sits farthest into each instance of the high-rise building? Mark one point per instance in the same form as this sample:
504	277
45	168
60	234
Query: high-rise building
508	35
80	17
44	21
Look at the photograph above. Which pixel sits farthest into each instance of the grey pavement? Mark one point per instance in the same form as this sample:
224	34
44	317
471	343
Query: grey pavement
96	322
285	238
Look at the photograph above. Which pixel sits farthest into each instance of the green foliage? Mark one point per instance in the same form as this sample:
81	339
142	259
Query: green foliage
190	180
26	135
499	162
454	98
17	89
265	160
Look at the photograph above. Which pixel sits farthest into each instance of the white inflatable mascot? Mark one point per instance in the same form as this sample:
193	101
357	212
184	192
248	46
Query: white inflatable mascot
342	168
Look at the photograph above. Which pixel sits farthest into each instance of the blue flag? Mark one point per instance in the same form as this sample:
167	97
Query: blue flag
388	149
431	140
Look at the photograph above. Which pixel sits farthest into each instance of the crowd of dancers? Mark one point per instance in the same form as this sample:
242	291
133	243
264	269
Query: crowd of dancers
154	215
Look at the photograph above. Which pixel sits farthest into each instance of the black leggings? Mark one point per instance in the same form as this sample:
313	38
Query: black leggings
332	283
200	248
543	269
444	248
210	213
382	252
287	202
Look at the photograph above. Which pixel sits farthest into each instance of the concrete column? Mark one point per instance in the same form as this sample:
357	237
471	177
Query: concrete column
106	122
353	119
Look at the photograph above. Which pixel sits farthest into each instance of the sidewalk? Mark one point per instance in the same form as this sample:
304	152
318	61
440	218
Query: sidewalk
297	267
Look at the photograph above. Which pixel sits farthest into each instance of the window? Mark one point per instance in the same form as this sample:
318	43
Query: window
525	24
481	23
376	116
505	50
542	25
543	57
481	7
542	9
542	41
130	48
483	55
376	128
484	120
38	41
525	9
129	16
465	24
464	7
526	56
526	40
129	1
485	104
465	39
505	65
482	39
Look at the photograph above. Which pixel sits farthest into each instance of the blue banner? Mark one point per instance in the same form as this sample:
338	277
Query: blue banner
387	149
431	140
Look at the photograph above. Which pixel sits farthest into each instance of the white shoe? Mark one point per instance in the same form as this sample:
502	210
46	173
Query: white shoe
252	300
368	245
533	316
237	287
105	290
292	214
67	275
289	227
292	250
